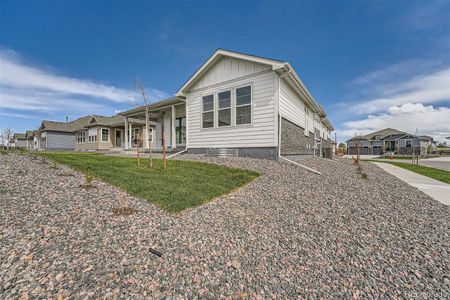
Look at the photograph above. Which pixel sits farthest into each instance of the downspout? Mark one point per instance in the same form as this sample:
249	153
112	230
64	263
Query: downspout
175	154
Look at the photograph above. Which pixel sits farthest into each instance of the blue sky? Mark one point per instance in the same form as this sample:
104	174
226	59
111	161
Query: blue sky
371	64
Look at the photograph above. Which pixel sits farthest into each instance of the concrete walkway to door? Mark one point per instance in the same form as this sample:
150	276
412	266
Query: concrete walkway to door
438	190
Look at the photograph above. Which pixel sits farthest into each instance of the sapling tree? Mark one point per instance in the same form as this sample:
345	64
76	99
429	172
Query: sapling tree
143	100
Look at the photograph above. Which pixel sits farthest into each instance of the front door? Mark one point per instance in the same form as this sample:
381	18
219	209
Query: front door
118	137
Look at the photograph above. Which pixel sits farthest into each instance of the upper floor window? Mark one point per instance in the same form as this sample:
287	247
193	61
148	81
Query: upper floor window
244	105
208	111
224	110
105	135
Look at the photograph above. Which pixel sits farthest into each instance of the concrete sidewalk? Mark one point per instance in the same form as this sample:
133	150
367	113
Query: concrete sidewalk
442	163
436	189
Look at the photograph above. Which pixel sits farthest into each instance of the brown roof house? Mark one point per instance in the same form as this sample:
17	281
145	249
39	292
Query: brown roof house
53	135
105	133
19	140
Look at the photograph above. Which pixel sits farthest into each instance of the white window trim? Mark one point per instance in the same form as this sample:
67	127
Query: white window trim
150	136
251	104
80	133
134	133
213	110
88	135
406	145
101	135
216	111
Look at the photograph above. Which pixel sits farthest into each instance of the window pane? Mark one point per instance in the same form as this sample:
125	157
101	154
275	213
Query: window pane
225	117
105	135
225	99
243	96
243	115
208	119
208	103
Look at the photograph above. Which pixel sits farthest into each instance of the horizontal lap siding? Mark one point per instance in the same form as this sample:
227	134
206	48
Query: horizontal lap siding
60	140
261	133
292	107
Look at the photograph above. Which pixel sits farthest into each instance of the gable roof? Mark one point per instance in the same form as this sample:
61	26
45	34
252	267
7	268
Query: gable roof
19	136
106	121
279	66
384	133
72	126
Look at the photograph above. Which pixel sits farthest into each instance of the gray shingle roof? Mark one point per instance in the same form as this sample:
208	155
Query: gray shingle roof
20	136
65	126
384	133
107	121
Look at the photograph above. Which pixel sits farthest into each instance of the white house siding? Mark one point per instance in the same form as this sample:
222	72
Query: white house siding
262	131
228	68
60	140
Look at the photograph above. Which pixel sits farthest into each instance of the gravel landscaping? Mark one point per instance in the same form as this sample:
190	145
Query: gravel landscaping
288	234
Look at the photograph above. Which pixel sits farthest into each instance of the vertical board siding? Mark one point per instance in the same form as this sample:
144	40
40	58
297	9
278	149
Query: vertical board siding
228	68
262	131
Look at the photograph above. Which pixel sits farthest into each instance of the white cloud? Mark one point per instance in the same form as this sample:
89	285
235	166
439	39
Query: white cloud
27	87
408	117
427	89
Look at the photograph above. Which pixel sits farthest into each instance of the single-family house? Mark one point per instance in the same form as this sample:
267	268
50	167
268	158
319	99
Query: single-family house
29	137
387	140
101	133
236	104
431	144
53	135
20	141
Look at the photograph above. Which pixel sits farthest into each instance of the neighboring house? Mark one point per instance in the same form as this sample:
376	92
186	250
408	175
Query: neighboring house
101	133
29	137
431	144
19	140
53	135
387	140
237	104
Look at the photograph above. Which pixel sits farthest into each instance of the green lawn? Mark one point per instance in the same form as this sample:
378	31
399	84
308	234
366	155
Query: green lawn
437	174
184	184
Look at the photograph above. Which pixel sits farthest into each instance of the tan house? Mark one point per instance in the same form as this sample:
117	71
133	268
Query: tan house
106	133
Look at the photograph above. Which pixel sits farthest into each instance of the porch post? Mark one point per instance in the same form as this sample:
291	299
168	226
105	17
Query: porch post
130	128
126	133
173	135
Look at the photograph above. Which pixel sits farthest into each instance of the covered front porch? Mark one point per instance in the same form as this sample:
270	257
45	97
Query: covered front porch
165	119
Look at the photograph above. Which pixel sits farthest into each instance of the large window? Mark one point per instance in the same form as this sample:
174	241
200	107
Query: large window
224	110
244	105
105	135
408	143
81	137
92	135
208	111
